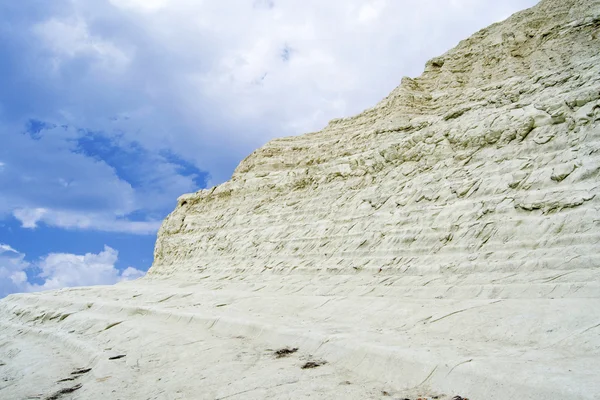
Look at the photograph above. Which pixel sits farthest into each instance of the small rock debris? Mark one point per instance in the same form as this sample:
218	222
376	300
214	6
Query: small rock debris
81	371
66	379
57	395
313	364
77	373
286	351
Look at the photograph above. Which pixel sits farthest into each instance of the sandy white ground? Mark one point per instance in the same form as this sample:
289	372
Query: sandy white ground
217	340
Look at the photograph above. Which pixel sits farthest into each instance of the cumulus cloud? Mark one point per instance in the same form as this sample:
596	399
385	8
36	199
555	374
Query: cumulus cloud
130	274
59	270
12	270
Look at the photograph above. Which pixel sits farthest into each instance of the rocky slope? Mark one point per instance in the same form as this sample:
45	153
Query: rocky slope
446	241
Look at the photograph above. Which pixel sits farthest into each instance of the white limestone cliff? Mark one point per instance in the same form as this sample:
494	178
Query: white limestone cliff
444	242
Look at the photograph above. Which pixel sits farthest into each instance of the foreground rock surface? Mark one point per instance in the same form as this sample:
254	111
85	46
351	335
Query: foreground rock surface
444	243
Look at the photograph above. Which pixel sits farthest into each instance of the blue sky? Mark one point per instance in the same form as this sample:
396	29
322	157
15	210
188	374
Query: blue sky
111	109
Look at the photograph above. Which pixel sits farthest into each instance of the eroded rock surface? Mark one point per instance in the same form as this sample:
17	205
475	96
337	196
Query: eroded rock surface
445	242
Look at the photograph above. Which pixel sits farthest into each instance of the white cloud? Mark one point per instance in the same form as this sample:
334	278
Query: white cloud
29	218
4	248
12	270
130	274
71	38
370	11
59	270
140	5
59	185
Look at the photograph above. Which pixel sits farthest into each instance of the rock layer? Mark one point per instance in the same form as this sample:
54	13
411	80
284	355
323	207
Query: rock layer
445	241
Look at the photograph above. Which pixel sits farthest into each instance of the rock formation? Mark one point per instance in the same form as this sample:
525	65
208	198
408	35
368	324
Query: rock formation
444	242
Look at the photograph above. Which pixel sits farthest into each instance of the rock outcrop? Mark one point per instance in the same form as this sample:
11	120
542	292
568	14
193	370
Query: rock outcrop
446	240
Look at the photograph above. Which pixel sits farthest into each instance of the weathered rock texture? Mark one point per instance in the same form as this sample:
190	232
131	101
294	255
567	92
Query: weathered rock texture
445	241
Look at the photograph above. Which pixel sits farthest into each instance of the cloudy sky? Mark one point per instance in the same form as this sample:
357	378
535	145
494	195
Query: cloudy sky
111	109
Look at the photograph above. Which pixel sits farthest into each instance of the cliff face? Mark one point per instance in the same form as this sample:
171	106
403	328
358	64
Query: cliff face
485	166
445	242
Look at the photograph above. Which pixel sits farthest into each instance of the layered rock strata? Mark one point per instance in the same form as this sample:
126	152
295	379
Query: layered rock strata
443	242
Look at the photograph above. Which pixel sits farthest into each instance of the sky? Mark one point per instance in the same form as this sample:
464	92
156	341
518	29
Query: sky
111	109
